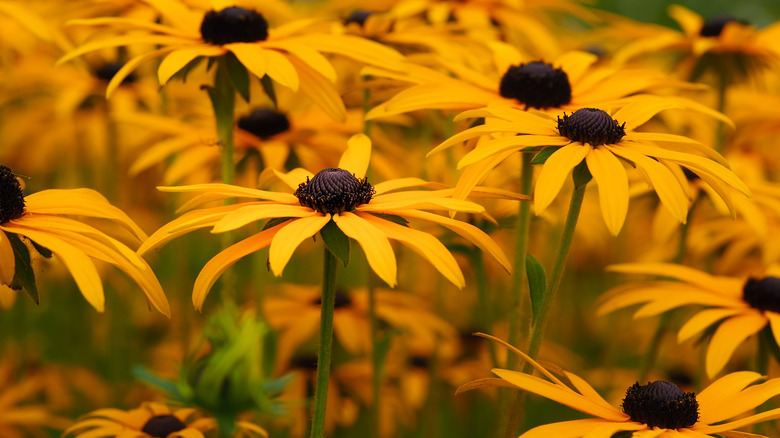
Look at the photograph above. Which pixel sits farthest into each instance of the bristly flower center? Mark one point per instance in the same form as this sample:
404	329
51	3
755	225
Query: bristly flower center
537	85
591	125
233	25
334	191
358	17
763	294
161	426
661	404
11	196
264	123
714	26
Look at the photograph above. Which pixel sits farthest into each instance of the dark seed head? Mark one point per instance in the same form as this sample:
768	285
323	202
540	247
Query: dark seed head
763	294
342	300
161	426
108	71
714	26
264	123
591	125
537	85
661	404
419	362
358	17
304	362
11	196
334	191
233	25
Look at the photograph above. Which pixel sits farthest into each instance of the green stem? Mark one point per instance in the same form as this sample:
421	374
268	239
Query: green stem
540	322
376	362
326	340
223	97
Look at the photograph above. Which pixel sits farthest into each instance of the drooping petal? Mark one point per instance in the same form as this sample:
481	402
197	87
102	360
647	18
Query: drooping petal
231	191
730	335
774	323
377	248
515	143
641	110
587	428
757	418
131	65
7	260
554	173
251	56
306	54
282	70
290	237
610	176
178	59
226	258
679	272
252	213
721	391
702	320
357	156
320	90
184	224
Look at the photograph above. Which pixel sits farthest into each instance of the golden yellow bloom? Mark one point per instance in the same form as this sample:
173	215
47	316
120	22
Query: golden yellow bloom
150	420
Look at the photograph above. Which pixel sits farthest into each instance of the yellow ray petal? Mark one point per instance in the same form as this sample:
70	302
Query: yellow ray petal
403	183
774	323
131	65
515	143
575	63
253	213
252	56
639	111
290	236
194	220
321	91
282	70
230	191
587	428
125	40
690	22
425	244
178	59
473	175
292	179
377	248
721	391
702	320
292	338
225	258
720	428
306	54
610	176
679	272
729	335
421	203
745	400
352	331
7	260
359	49
554	173
357	156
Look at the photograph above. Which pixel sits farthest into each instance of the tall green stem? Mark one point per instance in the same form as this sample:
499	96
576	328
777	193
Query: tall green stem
551	290
326	340
223	97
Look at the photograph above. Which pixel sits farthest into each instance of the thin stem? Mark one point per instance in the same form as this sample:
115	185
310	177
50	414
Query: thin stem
551	290
376	361
223	99
326	340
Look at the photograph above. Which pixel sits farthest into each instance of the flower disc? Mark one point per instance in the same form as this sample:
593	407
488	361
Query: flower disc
161	426
763	294
233	25
591	125
537	85
661	404
264	123
714	26
11	196
334	190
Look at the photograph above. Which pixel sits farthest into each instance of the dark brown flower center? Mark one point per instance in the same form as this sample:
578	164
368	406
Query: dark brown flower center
233	25
417	361
537	85
358	17
107	72
763	294
264	123
714	26
11	196
661	404
161	426
334	190
591	125
342	300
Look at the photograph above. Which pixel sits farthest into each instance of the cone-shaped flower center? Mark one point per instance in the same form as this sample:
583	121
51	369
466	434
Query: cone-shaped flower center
161	426
763	294
342	300
591	125
537	85
108	71
264	123
233	25
334	190
714	26
661	404
358	17
11	196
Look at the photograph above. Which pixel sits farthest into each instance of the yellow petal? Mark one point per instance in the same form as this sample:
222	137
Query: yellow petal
587	428
679	272
131	65
253	213
702	320
320	90
639	111
730	335
7	260
357	156
757	418
403	183
231	191
721	391
308	55
610	176
554	173
690	22
290	236
359	49
377	248
251	56
220	262
514	143
425	244
575	63
126	40
282	70
184	224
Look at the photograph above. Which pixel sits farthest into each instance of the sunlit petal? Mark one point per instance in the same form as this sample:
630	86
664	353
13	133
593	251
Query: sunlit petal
377	248
290	236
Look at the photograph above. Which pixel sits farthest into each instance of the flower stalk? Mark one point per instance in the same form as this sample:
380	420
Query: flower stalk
326	340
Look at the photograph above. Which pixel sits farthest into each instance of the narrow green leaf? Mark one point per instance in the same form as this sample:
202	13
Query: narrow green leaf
581	175
268	86
275	221
336	241
537	282
45	252
238	75
24	276
392	218
143	374
544	154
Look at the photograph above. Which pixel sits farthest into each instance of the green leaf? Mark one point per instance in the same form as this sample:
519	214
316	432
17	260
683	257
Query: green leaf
268	86
392	218
143	374
537	282
544	154
336	241
581	175
238	75
24	276
45	252
275	221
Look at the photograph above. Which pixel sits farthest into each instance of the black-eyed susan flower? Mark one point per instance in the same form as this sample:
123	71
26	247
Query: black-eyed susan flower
152	420
37	219
291	54
736	307
607	144
338	197
654	409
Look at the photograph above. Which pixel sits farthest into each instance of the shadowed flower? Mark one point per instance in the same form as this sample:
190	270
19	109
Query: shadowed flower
737	308
290	54
153	420
606	144
37	219
339	201
656	409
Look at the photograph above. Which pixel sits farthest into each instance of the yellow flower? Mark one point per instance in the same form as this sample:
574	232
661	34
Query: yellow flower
290	54
335	197
739	307
605	143
149	420
656	409
37	217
